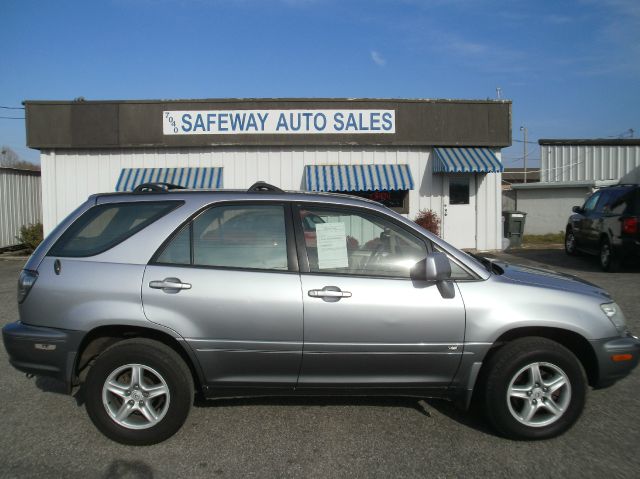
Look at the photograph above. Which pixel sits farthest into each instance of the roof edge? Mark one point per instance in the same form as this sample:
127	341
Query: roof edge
277	99
590	141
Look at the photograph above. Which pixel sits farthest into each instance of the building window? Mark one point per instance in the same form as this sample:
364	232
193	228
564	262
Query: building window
459	190
397	200
388	184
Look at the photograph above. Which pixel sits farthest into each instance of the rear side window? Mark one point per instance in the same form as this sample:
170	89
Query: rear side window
245	237
615	201
104	226
623	202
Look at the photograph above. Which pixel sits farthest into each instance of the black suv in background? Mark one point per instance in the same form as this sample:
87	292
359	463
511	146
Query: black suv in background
606	225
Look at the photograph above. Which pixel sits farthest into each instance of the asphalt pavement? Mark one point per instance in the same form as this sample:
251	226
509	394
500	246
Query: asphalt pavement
47	434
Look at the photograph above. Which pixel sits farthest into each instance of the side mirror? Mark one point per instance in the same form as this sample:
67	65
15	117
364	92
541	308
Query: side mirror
435	267
577	209
438	267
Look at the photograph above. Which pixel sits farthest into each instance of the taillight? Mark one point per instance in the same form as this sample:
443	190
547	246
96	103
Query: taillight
25	282
630	225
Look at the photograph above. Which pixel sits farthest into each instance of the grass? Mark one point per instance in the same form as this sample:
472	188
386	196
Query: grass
549	238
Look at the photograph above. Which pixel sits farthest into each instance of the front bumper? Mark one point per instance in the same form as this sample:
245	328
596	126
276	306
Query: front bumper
609	371
42	351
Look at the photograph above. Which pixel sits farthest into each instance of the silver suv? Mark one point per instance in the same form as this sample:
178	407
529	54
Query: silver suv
143	299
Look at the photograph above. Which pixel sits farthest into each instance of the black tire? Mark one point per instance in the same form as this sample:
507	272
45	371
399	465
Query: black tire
156	358
570	245
609	260
504	367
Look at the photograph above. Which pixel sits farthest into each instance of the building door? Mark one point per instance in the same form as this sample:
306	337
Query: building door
459	210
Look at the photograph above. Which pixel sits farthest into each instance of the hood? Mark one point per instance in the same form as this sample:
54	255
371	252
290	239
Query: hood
550	279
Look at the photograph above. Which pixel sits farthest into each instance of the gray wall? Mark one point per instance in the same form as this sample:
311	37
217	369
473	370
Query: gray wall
548	209
20	203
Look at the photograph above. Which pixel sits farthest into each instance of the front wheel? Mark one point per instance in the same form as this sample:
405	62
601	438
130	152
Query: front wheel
139	392
535	389
570	243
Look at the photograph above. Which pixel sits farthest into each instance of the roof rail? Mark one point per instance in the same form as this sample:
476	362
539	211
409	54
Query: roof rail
155	187
263	187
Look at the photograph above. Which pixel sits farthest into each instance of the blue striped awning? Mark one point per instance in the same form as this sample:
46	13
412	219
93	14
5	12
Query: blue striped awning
185	177
466	160
358	177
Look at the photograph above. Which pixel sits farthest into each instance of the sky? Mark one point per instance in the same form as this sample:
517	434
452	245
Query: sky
571	68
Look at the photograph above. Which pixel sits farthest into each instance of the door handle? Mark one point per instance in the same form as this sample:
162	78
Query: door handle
321	293
169	285
329	292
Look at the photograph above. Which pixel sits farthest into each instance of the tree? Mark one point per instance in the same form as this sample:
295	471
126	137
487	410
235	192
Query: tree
11	159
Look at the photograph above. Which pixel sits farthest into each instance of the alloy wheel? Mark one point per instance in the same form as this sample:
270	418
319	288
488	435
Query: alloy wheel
539	394
136	396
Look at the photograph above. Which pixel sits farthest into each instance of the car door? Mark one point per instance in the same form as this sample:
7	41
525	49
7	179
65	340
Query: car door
366	322
227	281
592	221
583	226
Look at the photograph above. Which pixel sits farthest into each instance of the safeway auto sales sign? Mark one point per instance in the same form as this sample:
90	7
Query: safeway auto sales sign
239	122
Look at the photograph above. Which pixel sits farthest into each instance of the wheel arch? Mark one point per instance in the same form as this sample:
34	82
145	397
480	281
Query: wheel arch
604	236
102	337
571	340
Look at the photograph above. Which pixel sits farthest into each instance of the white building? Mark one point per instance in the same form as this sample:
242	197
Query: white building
409	154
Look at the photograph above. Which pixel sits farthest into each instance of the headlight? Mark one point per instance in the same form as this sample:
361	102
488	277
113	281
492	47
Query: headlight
614	313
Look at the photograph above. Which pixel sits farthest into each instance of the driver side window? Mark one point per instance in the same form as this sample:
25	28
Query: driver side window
353	243
590	204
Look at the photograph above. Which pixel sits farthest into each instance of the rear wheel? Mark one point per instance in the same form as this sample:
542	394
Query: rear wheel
535	389
608	260
139	392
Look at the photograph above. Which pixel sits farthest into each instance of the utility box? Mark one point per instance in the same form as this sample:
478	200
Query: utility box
513	222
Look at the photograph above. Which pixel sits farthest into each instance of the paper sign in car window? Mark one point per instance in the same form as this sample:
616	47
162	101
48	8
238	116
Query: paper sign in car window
332	245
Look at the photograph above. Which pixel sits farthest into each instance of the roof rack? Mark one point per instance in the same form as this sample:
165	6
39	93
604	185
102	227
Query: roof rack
155	187
263	187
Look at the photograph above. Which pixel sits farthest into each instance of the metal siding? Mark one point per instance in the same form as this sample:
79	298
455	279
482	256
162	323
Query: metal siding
283	167
589	162
20	204
544	163
489	210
